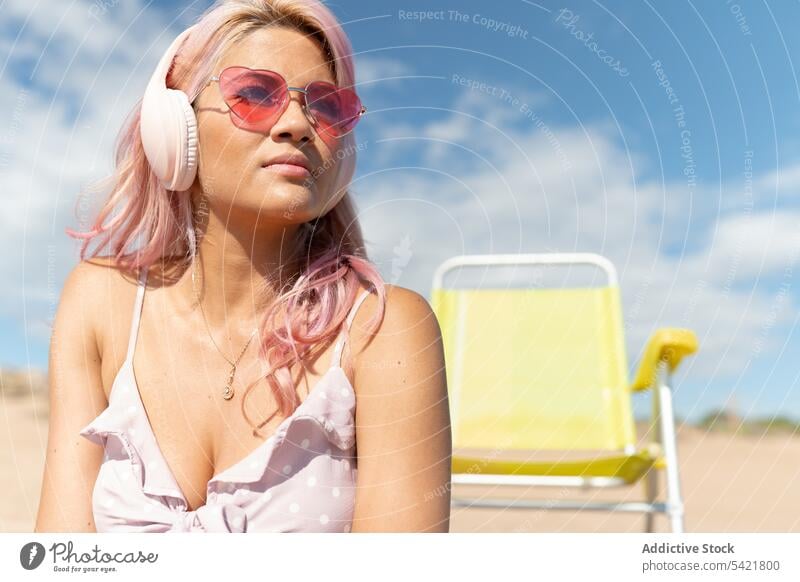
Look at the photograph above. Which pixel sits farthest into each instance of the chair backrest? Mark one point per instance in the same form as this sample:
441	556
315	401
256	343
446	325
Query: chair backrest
535	368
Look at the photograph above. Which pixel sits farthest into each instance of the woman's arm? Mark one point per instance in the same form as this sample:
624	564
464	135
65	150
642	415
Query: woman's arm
76	397
402	419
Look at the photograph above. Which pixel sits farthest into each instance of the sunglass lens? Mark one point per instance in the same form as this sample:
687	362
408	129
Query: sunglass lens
254	97
335	109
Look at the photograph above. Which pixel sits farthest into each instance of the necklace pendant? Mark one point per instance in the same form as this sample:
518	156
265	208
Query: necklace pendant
228	394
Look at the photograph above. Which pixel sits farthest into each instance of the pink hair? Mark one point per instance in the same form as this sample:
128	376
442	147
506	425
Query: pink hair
316	305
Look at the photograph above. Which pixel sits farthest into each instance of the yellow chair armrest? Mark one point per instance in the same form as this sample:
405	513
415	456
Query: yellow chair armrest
668	344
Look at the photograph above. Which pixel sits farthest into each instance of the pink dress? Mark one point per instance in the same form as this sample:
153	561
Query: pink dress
301	479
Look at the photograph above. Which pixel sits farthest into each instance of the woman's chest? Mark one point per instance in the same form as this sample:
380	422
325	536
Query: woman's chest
178	389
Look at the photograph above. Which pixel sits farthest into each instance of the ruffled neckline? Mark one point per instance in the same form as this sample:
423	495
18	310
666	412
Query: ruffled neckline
330	404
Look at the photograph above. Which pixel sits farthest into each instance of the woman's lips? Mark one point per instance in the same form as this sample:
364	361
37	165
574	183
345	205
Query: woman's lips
291	170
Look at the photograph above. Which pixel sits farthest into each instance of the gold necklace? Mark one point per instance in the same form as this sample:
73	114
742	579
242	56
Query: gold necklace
227	394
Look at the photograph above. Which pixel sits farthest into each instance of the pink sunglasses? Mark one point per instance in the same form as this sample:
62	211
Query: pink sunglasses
258	97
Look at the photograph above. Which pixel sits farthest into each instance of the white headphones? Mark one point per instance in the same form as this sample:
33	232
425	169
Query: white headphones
168	126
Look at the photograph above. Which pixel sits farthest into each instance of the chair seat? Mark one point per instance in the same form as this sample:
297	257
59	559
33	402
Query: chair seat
629	468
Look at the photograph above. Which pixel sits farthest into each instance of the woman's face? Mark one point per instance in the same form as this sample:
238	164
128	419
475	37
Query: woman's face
230	164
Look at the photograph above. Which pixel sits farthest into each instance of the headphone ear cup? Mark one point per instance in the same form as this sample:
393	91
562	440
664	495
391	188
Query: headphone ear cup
168	127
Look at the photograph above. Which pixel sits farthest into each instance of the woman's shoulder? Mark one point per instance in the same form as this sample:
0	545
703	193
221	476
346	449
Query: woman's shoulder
101	268
101	279
401	303
90	275
407	323
104	270
103	286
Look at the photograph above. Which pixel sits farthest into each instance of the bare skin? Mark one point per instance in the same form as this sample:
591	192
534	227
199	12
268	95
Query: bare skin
402	418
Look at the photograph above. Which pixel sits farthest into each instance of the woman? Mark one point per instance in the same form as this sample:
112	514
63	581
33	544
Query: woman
218	375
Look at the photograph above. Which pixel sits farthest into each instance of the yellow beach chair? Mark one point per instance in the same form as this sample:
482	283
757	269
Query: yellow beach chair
544	369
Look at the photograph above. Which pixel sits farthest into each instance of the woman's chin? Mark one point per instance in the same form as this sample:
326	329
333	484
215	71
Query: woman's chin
288	200
279	187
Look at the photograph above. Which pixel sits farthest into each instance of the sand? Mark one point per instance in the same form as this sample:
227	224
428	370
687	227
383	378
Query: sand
730	484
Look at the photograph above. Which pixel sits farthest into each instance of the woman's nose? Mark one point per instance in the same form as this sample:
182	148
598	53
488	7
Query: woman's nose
293	122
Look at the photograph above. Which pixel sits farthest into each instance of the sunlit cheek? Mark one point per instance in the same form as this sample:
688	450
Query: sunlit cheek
332	143
322	178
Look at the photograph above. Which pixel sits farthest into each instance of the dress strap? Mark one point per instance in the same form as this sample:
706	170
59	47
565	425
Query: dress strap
137	313
336	360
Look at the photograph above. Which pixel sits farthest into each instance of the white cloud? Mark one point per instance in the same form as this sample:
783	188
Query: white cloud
374	72
753	245
787	181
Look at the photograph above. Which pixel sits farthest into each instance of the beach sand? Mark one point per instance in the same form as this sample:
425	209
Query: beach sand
730	484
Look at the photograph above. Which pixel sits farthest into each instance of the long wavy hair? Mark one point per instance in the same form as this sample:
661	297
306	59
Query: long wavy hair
313	305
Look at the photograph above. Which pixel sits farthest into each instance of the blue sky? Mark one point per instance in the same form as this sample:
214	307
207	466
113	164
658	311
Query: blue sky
663	135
